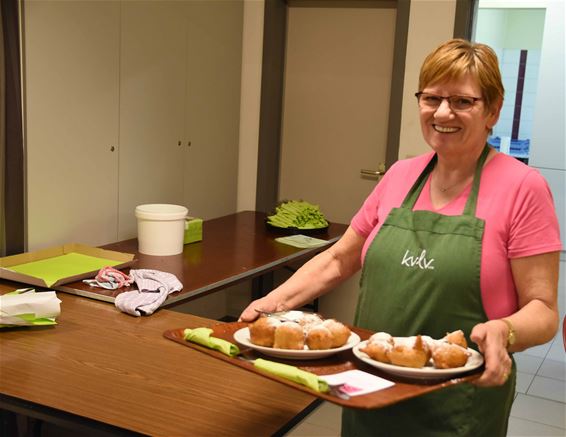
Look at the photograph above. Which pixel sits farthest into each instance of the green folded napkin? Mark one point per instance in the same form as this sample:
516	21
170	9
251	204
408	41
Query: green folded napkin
202	337
292	373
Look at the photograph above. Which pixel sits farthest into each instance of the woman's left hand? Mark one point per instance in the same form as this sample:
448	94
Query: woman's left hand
491	338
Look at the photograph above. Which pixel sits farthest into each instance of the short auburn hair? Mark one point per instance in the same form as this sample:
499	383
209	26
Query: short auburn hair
458	57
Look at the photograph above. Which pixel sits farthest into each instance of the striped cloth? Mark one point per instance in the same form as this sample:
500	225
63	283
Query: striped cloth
153	288
110	279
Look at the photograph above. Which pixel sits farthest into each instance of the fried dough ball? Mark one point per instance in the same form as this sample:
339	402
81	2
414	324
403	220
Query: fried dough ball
378	350
457	337
379	337
262	331
289	335
340	332
378	346
309	321
407	356
319	337
449	356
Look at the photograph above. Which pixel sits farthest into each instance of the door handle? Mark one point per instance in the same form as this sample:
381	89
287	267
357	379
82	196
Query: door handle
374	173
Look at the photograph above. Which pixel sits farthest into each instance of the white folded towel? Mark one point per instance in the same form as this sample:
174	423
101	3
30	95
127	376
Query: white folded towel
153	288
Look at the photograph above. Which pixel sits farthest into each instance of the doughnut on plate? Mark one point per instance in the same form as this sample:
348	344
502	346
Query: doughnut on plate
242	336
427	372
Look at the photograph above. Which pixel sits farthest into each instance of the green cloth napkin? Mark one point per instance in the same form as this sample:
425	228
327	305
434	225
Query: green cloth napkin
202	337
292	373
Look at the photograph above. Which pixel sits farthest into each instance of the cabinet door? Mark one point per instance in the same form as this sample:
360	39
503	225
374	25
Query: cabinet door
213	106
152	106
71	100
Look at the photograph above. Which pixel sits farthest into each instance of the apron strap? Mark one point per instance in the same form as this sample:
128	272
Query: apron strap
416	189
470	208
419	184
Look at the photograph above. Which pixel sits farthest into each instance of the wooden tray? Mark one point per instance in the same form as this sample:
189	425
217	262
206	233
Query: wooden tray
404	388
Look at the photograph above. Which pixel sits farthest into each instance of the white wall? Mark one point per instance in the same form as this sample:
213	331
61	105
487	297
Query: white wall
548	147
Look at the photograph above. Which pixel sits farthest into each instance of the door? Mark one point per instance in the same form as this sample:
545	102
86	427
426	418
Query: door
71	76
214	54
335	115
336	104
152	107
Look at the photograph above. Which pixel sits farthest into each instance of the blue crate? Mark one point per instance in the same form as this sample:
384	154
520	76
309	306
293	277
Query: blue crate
517	147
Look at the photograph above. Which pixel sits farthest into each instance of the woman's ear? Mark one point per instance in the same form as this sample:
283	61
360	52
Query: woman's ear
493	113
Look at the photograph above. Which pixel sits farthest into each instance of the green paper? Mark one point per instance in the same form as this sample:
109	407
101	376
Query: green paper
301	241
203	337
292	373
50	270
32	320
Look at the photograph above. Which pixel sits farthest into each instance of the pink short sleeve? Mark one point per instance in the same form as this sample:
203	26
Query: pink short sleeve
534	227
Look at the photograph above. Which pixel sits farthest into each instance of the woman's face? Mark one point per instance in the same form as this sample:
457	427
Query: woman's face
457	133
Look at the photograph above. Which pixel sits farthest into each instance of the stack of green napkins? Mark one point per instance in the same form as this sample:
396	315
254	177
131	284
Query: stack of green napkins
27	308
301	241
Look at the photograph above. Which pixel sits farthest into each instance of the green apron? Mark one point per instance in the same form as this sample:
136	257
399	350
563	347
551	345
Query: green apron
421	275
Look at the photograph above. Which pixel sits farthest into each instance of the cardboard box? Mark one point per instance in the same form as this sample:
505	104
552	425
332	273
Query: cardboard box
193	230
7	263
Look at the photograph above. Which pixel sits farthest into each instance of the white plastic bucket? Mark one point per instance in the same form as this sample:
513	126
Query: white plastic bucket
161	228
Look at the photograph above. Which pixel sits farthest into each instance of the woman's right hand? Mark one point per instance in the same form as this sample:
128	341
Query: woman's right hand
266	303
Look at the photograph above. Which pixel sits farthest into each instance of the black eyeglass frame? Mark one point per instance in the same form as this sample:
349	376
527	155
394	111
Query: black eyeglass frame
474	99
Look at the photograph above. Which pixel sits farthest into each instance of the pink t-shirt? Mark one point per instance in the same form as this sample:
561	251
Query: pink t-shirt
515	202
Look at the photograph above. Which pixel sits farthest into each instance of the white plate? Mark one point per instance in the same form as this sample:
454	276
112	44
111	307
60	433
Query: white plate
428	372
242	336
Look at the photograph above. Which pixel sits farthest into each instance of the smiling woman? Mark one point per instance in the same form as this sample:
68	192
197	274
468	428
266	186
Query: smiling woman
439	250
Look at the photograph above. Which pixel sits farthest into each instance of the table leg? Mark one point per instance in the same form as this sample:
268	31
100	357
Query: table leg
262	285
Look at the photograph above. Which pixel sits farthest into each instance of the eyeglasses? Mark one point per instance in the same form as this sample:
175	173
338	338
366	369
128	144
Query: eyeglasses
456	103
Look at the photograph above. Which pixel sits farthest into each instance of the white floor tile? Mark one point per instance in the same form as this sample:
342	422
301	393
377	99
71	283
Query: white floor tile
526	428
327	415
524	381
539	351
306	429
539	410
556	351
527	363
553	369
548	388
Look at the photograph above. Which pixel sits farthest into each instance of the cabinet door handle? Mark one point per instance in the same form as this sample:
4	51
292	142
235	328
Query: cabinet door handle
112	148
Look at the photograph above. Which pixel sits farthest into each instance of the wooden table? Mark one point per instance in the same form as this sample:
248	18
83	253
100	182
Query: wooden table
106	371
234	248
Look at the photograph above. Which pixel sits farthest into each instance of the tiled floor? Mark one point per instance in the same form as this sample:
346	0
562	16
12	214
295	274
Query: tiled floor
540	402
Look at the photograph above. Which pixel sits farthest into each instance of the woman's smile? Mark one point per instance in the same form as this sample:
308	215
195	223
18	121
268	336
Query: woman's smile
445	129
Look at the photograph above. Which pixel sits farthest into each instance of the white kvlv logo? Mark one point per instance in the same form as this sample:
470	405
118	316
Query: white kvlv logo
419	261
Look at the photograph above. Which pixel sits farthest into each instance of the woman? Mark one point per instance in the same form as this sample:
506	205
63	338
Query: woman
442	252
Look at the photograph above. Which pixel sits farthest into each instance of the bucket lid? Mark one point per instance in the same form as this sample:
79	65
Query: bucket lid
161	211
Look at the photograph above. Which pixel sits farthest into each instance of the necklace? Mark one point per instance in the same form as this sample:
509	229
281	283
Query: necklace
443	190
449	187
